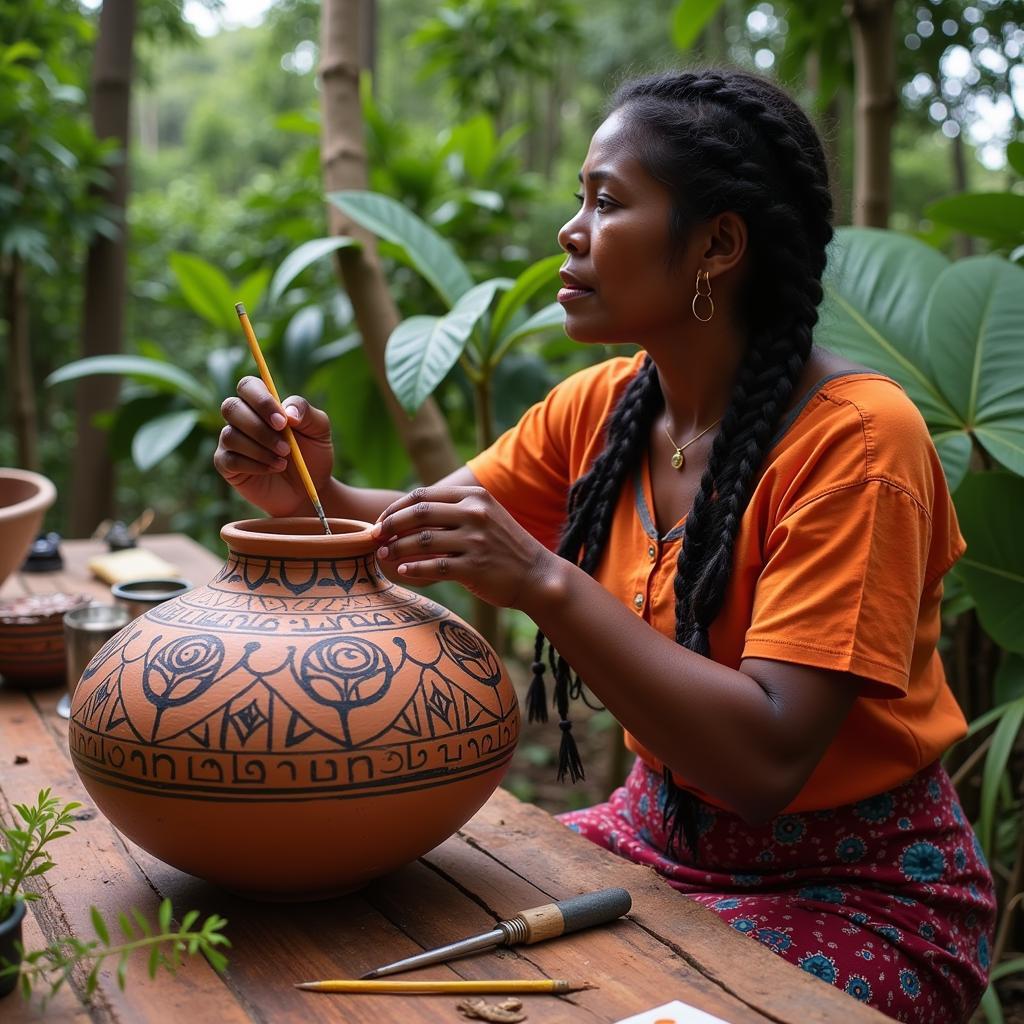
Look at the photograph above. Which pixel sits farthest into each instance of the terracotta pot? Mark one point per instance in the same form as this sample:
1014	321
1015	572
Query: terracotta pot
298	726
32	638
24	499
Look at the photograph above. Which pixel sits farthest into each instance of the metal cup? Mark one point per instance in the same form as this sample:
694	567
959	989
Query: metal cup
139	596
86	630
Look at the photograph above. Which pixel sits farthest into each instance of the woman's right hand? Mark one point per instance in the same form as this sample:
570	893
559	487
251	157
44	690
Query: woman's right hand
254	457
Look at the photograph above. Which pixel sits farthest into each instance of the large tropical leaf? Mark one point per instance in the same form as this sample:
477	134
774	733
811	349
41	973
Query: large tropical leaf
988	507
539	275
995	215
876	289
251	291
308	253
165	375
974	319
545	319
159	437
206	289
422	349
423	248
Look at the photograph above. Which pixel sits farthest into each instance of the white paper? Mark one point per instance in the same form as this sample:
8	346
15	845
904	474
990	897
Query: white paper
676	1012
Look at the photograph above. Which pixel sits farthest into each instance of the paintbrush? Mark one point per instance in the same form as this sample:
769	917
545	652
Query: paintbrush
300	462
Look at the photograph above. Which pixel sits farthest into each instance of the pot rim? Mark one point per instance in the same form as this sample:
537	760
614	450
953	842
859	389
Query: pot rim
298	537
16	916
45	496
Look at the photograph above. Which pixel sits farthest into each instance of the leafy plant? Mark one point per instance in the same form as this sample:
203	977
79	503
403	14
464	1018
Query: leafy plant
423	349
54	965
24	856
948	332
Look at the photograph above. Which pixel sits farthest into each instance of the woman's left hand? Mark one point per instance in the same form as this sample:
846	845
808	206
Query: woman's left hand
461	534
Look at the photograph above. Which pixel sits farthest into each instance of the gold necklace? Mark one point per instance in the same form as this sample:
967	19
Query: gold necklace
678	458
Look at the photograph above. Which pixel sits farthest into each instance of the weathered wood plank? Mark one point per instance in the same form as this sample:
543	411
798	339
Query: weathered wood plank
632	968
523	838
276	945
92	868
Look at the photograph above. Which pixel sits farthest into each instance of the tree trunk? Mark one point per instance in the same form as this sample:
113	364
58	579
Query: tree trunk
92	479
964	244
829	127
19	366
425	436
874	62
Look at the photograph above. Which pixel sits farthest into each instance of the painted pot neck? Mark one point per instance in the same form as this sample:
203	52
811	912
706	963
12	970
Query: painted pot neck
298	537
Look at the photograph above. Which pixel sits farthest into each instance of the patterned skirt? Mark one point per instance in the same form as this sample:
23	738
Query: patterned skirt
889	899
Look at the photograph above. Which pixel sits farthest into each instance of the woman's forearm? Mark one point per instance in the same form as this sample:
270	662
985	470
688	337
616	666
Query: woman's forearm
716	727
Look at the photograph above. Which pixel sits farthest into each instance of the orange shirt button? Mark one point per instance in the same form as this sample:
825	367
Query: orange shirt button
651	552
639	600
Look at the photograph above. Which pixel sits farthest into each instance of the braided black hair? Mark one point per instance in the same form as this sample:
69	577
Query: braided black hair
720	141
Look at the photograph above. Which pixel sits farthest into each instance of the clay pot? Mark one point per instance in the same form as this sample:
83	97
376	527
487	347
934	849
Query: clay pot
32	638
298	726
24	499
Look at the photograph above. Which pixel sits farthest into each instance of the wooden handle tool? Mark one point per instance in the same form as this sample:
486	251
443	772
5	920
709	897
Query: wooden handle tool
300	462
527	927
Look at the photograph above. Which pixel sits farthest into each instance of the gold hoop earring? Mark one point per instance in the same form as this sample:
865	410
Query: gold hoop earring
706	294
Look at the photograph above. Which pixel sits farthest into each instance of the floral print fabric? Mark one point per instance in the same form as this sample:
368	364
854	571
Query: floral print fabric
888	899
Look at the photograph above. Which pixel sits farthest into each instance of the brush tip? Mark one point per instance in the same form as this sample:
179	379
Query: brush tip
240	308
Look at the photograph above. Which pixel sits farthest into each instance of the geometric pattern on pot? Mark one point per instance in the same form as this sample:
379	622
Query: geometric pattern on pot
169	711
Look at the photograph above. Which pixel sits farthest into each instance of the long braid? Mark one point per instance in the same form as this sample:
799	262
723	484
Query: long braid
591	505
735	142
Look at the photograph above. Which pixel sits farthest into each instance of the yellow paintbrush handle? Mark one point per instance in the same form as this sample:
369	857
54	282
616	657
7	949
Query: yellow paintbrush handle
425	987
289	436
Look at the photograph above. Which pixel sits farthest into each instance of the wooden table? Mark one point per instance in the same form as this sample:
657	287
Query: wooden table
509	857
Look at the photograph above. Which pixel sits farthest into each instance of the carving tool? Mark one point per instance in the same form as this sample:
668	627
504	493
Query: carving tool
526	928
500	985
300	462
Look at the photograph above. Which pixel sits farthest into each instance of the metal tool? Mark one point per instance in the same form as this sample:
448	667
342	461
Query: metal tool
526	928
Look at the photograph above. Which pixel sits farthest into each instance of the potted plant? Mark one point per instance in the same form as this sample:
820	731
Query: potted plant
24	856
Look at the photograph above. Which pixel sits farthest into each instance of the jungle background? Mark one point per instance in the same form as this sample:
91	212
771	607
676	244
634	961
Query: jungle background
161	160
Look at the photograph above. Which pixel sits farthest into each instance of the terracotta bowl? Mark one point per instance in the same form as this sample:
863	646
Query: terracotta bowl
32	638
24	498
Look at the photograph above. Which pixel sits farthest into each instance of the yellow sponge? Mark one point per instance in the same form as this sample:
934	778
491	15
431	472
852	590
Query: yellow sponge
130	564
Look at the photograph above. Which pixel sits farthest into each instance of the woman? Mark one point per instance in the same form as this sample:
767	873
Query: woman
736	539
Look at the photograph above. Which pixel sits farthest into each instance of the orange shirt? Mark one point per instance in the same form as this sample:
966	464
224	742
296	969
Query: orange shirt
838	562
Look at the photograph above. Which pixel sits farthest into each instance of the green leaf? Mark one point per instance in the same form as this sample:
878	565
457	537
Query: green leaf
308	253
99	925
139	368
973	323
1009	681
988	508
1003	740
1015	156
155	440
1006	968
689	19
189	919
164	915
535	277
422	349
206	289
995	215
876	286
250	291
154	961
122	972
423	248
125	925
543	320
